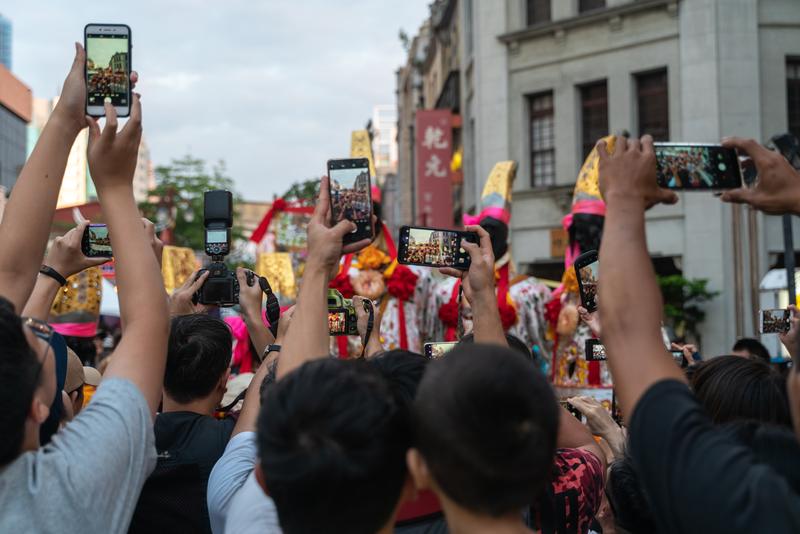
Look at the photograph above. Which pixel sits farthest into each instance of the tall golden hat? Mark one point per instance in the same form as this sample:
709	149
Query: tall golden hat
497	193
360	147
79	300
587	186
177	264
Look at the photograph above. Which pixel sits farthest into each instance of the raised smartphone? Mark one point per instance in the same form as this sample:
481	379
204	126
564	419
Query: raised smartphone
697	167
437	350
587	271
595	351
678	358
434	247
774	321
95	242
351	197
108	68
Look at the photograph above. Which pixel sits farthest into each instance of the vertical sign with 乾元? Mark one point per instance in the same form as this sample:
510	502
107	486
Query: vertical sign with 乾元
434	144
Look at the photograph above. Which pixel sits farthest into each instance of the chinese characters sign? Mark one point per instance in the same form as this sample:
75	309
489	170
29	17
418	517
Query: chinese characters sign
434	143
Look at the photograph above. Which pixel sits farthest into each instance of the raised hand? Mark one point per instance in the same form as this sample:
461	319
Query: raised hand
65	254
480	276
777	190
251	298
791	339
180	302
630	172
592	320
112	155
374	342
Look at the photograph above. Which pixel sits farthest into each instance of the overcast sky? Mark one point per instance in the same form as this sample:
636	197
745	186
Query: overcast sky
273	87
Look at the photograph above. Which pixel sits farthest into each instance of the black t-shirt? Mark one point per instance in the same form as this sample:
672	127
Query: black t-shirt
700	479
174	496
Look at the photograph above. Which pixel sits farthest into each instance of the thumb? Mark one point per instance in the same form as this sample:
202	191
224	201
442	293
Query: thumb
79	61
343	228
668	197
742	195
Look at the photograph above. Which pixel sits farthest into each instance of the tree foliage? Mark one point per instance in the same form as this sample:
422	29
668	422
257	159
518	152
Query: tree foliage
306	192
683	301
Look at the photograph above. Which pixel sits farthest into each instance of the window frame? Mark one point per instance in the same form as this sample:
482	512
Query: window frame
548	151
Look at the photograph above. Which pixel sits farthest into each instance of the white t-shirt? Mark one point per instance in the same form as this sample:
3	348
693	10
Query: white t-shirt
88	478
252	511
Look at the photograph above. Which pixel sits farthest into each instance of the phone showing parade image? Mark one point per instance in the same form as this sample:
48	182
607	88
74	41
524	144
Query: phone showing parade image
435	351
108	68
774	321
697	167
595	351
351	196
587	271
95	242
432	247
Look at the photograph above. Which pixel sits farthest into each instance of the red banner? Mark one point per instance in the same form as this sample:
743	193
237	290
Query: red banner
434	144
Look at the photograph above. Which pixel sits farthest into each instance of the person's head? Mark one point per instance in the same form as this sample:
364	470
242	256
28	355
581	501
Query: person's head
198	359
732	388
332	445
748	347
73	384
28	375
403	371
628	502
514	343
84	347
485	422
498	231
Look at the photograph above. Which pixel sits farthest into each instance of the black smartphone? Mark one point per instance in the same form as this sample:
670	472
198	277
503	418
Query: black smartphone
595	351
434	247
587	271
95	242
697	167
678	358
774	321
437	350
351	196
108	68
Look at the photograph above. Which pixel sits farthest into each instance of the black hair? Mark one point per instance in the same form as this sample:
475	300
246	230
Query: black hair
84	349
514	343
485	421
198	354
332	448
586	231
632	510
754	347
732	388
498	231
20	372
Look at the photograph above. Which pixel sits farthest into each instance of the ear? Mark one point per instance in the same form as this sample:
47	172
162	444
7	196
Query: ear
222	385
39	411
260	478
418	469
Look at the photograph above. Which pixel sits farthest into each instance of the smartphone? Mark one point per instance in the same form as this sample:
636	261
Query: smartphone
774	321
595	351
435	351
697	167
572	409
678	358
587	271
351	196
108	68
95	242
434	247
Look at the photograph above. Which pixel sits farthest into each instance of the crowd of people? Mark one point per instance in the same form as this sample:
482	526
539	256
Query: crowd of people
686	168
473	441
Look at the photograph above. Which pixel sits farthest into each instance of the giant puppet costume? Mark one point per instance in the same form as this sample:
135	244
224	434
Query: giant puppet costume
521	299
584	225
398	291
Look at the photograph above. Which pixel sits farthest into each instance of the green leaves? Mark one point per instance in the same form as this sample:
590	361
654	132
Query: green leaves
682	302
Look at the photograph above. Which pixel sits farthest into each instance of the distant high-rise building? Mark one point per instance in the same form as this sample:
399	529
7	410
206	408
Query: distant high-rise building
15	113
384	140
5	42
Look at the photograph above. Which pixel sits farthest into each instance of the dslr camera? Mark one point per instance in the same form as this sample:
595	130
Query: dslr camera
342	319
221	288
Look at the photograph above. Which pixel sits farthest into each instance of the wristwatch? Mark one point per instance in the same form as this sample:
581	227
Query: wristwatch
270	348
52	273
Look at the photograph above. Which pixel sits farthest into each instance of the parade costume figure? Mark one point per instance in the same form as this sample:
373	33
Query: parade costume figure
398	291
520	299
584	224
75	312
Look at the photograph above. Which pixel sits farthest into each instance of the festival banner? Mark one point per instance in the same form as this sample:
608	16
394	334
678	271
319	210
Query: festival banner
277	268
434	148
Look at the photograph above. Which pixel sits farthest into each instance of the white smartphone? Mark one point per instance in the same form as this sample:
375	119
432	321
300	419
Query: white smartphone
108	68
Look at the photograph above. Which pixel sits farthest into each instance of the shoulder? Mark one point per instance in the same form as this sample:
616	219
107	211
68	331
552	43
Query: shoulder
578	477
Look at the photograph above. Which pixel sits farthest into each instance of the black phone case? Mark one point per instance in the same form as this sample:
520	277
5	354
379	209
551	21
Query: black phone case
587	258
402	248
86	248
130	67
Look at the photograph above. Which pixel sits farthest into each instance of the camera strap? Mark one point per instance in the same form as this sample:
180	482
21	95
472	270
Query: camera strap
460	325
273	307
370	325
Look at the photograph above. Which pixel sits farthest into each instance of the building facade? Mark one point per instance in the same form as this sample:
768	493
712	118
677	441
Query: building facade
5	42
15	113
544	79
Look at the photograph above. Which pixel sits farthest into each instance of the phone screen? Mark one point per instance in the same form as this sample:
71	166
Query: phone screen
437	350
351	196
697	167
107	69
595	351
775	321
677	356
96	243
337	322
588	276
432	247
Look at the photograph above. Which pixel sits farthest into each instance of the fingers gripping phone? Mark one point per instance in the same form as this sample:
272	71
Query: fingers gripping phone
351	196
433	247
108	68
95	242
587	271
435	351
697	167
774	321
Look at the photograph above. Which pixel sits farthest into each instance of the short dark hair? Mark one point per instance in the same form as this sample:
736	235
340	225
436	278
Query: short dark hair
731	388
632	511
403	371
20	373
514	343
332	448
486	421
754	347
198	354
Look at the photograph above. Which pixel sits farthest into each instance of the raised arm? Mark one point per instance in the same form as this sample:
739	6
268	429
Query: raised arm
29	212
307	338
629	299
141	355
250	300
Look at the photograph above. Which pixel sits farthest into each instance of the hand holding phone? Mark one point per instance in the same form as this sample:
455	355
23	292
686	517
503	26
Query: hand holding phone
66	255
108	68
587	271
697	167
774	321
351	196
